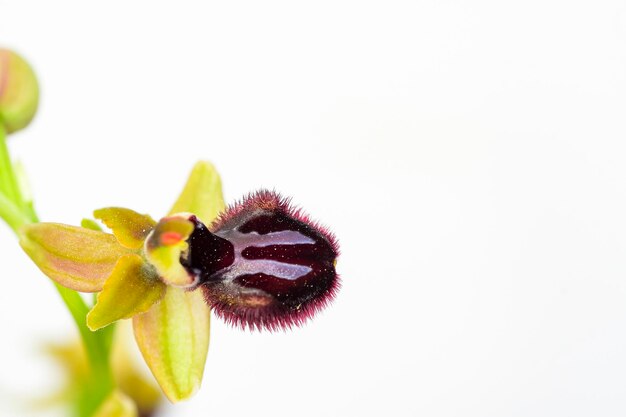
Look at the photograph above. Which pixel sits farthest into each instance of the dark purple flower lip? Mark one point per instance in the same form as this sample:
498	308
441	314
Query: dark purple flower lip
264	264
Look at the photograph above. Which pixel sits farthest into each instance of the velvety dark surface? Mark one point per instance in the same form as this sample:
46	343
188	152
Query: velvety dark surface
264	265
208	253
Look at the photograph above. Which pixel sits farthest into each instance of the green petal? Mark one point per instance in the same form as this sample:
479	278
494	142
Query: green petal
173	337
90	224
132	288
202	194
117	404
164	247
76	258
128	226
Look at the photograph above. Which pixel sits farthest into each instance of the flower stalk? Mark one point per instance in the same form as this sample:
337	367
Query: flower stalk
9	181
17	213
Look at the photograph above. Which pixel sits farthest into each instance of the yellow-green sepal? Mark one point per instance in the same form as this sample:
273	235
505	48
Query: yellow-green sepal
129	227
173	337
202	194
74	257
164	247
132	288
117	404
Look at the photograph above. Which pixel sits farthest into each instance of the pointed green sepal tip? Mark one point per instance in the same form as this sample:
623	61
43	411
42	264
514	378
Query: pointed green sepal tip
117	404
90	224
202	194
132	288
74	257
173	337
19	91
129	227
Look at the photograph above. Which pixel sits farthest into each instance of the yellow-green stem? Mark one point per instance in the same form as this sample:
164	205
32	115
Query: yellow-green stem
8	182
16	213
11	214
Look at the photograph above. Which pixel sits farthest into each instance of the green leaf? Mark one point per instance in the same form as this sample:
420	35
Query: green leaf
173	337
117	404
202	194
132	288
74	257
129	227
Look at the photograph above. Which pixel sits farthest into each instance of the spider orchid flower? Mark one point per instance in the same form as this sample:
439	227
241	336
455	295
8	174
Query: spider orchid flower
260	264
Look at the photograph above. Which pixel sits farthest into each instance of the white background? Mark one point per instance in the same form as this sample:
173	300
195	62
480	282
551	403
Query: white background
468	154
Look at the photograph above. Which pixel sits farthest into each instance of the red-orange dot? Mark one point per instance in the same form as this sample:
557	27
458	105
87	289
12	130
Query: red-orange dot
170	238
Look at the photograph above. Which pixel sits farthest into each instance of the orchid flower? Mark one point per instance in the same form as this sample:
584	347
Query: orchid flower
260	264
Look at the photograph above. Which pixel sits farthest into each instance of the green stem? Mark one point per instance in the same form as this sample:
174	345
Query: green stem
11	214
16	213
97	345
97	353
8	181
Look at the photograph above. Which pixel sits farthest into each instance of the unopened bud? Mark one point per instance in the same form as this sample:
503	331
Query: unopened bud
19	91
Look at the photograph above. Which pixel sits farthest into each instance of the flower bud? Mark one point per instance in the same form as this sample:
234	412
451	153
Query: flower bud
19	91
263	264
